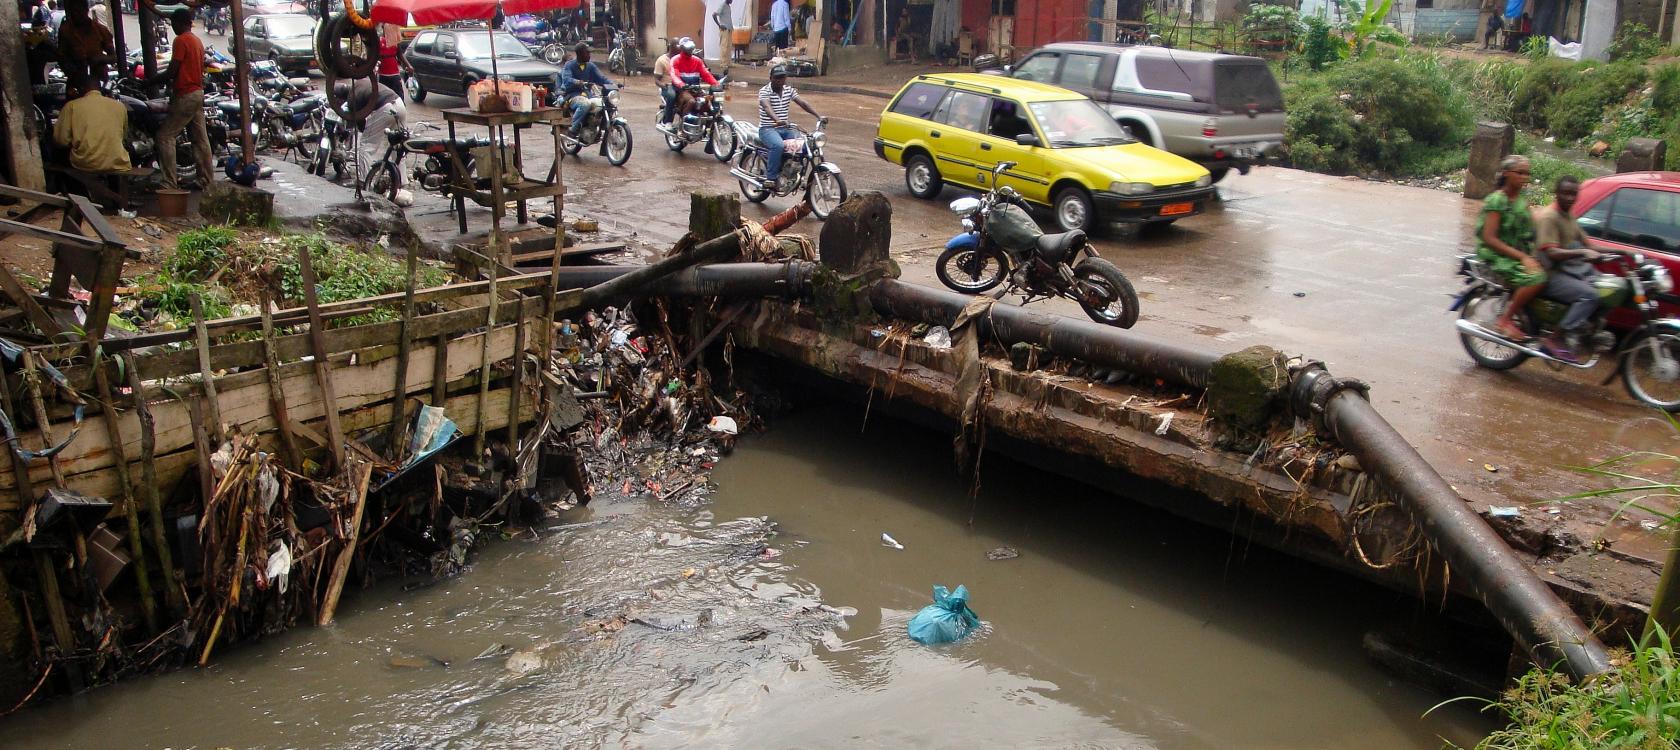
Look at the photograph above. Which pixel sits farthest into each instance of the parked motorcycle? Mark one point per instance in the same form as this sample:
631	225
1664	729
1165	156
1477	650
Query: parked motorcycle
803	169
1001	241
288	126
624	58
335	147
433	173
602	125
709	124
1648	356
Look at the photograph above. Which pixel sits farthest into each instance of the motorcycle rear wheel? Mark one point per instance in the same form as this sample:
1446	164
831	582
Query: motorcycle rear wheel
1483	308
383	181
1651	370
553	54
971	270
753	163
1103	279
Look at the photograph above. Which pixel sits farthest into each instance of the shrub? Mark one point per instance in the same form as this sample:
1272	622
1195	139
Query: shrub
1319	47
198	252
1320	129
1534	92
1634	42
1400	109
1665	88
1577	112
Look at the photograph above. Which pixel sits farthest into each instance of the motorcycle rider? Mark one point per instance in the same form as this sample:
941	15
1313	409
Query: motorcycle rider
575	77
687	69
773	126
185	75
1561	243
1504	234
662	79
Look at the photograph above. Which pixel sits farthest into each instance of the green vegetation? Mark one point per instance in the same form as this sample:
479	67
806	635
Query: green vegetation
1384	115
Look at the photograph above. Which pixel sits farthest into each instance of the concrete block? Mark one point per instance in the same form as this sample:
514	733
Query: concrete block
857	236
1492	142
231	203
1246	388
712	215
1642	155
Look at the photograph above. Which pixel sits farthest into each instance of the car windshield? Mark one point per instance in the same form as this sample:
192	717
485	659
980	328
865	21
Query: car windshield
288	26
477	47
1077	123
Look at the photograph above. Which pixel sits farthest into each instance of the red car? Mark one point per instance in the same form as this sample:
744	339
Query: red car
1637	211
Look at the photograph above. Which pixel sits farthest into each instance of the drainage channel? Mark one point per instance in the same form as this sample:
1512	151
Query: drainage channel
767	612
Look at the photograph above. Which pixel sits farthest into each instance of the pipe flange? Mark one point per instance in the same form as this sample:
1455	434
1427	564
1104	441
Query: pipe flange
1313	388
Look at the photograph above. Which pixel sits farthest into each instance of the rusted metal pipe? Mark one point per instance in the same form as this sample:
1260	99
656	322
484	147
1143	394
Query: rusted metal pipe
1528	609
716	280
1082	339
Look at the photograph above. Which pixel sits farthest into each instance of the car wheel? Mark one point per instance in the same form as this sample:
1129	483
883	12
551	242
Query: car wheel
416	92
1218	173
922	177
1073	209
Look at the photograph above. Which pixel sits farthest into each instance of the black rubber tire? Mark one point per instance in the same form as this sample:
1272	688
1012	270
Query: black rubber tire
1631	372
416	91
935	183
1104	272
671	141
948	261
1218	173
384	184
629	144
748	160
734	143
1469	342
810	190
1062	213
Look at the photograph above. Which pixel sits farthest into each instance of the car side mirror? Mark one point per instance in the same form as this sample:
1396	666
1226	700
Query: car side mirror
1007	69
1026	139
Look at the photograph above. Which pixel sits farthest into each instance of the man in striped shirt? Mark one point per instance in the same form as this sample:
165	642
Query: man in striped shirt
773	126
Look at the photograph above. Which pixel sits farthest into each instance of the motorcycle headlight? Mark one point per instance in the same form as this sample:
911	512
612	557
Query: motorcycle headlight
612	96
968	224
1204	181
817	138
1661	280
1131	188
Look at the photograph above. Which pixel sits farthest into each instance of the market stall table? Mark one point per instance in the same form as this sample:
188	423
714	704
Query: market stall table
464	185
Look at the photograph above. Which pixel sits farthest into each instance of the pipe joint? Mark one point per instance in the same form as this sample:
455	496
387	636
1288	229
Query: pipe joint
1314	386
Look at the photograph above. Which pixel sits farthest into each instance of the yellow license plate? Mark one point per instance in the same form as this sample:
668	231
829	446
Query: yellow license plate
1177	209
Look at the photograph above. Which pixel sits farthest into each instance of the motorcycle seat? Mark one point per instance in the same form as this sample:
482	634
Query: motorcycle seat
228	108
1054	248
158	106
305	105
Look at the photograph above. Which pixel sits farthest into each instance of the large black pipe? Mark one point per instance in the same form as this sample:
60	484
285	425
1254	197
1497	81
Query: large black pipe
718	280
1529	610
1082	339
1545	627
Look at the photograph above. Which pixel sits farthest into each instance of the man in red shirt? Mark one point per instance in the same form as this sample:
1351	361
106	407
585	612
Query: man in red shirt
688	69
186	100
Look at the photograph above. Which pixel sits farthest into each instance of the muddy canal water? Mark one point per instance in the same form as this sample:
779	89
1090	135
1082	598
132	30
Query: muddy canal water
771	615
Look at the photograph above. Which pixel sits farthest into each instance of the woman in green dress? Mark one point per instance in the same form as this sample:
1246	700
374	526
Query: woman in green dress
1504	238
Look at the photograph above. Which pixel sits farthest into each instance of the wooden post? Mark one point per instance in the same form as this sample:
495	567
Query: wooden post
148	42
201	446
513	388
131	503
359	474
405	343
32	383
241	78
174	592
23	143
276	397
323	368
207	377
484	362
440	370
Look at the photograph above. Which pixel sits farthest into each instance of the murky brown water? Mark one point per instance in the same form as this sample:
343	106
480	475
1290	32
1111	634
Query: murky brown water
1113	628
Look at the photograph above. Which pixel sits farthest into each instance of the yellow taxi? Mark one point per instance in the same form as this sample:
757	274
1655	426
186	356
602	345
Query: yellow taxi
1070	155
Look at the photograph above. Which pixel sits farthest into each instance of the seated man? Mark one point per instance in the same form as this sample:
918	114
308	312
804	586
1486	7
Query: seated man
1563	247
91	127
575	77
688	69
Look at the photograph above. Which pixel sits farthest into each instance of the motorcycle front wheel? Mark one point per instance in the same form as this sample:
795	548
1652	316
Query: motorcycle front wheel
618	144
1482	309
971	270
723	141
1651	370
383	181
825	192
615	61
1105	293
553	54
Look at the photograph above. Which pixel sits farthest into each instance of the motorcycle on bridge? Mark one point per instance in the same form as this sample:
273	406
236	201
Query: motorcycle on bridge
1001	242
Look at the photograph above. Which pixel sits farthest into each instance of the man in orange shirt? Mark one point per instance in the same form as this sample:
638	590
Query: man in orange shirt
186	100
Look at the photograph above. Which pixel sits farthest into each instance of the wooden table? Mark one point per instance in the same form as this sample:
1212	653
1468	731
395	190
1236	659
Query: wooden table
464	186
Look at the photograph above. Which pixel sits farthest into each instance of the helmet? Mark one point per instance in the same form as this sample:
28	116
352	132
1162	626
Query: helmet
685	44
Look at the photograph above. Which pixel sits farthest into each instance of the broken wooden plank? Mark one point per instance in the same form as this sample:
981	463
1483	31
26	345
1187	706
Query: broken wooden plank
323	367
207	375
575	251
276	395
358	475
113	432
51	235
174	589
25	301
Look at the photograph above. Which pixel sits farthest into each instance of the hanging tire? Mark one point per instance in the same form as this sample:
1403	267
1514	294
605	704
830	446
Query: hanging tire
619	133
922	177
971	270
1482	309
1651	370
752	162
825	192
1073	209
724	141
1105	293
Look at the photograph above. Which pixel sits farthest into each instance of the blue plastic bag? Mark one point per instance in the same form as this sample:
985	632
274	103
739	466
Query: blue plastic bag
947	620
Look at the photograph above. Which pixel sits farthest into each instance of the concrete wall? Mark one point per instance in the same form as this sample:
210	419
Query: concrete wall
1597	28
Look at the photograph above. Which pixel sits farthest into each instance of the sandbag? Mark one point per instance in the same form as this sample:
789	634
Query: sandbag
947	620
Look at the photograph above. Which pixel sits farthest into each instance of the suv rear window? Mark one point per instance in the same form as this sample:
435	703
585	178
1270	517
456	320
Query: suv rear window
919	100
1163	76
1236	85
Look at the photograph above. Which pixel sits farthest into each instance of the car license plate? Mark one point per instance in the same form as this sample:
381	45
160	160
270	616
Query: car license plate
1177	209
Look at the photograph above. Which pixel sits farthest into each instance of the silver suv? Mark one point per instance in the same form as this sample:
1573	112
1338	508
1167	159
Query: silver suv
1221	111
